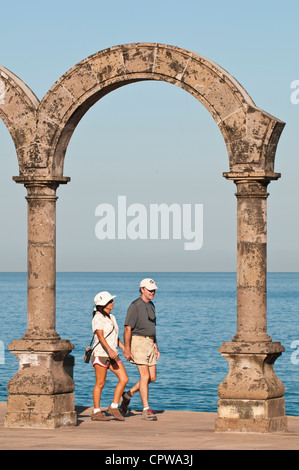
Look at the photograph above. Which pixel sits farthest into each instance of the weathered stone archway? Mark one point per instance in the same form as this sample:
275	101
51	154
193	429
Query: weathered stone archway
251	397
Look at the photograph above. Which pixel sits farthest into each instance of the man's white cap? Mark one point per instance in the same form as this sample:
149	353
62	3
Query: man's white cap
149	284
102	298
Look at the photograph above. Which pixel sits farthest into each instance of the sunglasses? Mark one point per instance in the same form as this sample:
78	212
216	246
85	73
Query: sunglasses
150	315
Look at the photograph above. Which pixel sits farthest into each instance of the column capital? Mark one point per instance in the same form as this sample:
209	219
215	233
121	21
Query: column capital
41	188
265	176
41	180
251	184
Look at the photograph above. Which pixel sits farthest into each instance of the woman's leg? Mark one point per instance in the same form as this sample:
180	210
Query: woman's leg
121	373
100	373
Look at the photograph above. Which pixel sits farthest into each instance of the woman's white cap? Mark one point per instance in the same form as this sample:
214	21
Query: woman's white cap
102	298
149	284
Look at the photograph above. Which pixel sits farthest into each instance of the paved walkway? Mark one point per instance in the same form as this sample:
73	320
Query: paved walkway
174	430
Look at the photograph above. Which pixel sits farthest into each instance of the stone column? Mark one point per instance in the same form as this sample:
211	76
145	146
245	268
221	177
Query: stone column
41	261
41	393
251	396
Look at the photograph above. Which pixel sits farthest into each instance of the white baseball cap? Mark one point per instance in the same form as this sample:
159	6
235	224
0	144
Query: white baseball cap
102	298
149	284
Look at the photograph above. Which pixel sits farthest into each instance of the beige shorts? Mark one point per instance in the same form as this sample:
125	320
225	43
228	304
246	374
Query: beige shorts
143	350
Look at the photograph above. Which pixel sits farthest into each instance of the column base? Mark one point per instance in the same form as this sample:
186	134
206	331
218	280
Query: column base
40	395
262	416
251	395
41	411
41	368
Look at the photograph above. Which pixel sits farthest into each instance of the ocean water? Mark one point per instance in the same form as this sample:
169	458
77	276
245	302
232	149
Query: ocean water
195	312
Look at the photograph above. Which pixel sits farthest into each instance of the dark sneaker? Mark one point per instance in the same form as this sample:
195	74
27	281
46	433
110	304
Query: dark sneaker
124	403
99	416
115	413
149	415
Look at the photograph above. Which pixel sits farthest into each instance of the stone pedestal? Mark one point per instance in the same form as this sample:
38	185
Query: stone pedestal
251	396
251	415
40	411
41	393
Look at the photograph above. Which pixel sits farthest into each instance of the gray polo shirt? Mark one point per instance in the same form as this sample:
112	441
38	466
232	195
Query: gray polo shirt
141	318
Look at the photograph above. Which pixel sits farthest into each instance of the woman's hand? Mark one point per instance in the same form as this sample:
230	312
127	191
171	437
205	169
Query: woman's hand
112	354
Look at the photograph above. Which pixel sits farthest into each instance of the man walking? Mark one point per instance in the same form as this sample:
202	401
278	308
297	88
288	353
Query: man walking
140	345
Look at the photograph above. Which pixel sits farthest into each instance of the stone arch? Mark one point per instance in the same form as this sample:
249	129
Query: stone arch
18	110
250	134
251	396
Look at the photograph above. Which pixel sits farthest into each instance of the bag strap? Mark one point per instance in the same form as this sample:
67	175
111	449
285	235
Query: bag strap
99	341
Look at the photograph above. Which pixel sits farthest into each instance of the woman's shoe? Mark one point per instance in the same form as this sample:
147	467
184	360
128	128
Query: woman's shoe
115	413
99	416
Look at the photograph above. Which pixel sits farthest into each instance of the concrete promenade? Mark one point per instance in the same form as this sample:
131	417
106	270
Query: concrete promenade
174	430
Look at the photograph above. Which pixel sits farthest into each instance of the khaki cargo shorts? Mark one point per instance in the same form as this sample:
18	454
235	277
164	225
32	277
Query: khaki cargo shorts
143	350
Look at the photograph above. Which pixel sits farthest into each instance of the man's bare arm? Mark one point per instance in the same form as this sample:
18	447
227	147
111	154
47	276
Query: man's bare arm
127	340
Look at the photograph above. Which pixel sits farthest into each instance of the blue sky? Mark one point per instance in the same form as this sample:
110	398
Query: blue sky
153	142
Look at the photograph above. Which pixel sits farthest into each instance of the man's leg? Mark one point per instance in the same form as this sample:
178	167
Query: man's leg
144	354
147	375
152	373
144	370
143	383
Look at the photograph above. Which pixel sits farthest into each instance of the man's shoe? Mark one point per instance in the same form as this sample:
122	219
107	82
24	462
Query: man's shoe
99	416
115	413
124	403
149	415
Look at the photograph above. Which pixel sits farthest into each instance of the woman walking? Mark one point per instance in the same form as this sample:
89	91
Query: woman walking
105	355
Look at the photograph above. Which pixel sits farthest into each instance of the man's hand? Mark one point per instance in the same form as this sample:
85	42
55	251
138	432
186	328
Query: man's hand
157	353
128	354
